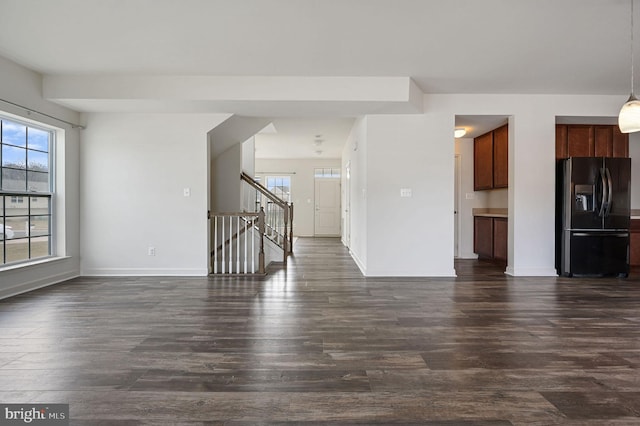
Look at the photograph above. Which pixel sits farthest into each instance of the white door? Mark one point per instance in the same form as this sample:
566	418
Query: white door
327	205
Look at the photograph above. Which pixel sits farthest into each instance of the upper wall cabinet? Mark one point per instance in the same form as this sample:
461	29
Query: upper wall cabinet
501	157
491	159
584	140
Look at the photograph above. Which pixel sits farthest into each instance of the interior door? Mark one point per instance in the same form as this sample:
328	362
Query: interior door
327	207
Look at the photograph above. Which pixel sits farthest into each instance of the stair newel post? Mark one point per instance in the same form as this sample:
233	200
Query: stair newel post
291	228
261	230
285	239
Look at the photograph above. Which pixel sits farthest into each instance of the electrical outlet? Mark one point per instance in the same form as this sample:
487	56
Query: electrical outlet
151	251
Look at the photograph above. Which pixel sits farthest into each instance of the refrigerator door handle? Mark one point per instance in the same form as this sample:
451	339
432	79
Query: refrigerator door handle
593	234
605	193
609	192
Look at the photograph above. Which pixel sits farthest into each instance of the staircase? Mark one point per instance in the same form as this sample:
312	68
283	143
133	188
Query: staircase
240	237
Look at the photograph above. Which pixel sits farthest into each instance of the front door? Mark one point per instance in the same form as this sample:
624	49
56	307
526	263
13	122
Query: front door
327	207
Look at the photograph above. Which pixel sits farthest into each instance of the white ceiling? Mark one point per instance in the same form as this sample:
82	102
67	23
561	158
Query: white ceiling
445	46
304	138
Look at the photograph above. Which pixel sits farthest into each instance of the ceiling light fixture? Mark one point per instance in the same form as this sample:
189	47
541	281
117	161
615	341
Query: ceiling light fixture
458	133
629	117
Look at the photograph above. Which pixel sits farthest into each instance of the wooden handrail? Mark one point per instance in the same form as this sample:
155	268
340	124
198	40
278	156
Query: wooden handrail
263	190
287	209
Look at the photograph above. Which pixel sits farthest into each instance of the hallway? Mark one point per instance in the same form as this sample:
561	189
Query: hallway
318	343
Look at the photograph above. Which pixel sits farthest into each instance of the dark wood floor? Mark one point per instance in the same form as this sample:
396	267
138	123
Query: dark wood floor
319	344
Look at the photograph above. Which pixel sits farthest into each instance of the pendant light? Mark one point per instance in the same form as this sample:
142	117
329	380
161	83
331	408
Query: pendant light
629	117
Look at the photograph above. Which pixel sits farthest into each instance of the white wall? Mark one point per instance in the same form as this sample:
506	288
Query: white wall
227	186
302	187
634	153
249	156
414	236
410	236
22	86
531	163
135	168
355	152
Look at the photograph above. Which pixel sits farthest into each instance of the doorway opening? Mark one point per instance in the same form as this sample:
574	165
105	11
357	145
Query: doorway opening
481	194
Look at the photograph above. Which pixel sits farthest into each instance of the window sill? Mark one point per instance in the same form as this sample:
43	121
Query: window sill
31	263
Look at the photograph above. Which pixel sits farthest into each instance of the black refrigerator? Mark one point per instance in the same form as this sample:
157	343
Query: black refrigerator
593	209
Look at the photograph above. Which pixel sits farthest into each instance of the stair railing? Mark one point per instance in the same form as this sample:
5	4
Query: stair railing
278	213
239	243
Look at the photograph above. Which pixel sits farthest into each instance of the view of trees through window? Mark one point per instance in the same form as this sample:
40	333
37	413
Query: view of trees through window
25	191
280	186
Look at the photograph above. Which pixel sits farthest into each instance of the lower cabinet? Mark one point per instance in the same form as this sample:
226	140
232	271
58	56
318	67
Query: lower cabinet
500	229
490	237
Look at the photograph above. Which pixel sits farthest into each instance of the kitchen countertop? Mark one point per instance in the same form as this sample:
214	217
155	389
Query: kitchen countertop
495	212
635	213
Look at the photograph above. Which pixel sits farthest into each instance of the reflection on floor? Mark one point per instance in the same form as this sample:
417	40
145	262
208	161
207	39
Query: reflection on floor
319	344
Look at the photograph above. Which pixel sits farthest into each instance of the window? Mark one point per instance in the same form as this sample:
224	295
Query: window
25	191
327	173
280	186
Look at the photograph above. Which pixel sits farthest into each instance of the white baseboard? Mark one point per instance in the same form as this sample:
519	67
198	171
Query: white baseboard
145	272
359	263
449	273
37	284
530	272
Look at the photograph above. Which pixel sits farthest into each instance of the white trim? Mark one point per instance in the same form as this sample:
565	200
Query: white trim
145	272
37	284
359	263
451	273
32	262
530	272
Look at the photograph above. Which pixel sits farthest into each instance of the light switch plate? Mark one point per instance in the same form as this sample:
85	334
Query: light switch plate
406	192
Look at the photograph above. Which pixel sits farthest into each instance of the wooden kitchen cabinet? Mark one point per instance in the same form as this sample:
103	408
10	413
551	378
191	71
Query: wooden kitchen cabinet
501	157
561	141
580	141
491	159
603	141
620	143
490	237
500	229
483	162
585	140
634	243
483	236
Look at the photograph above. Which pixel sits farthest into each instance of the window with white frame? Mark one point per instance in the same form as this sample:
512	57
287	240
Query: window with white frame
25	191
327	173
280	186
